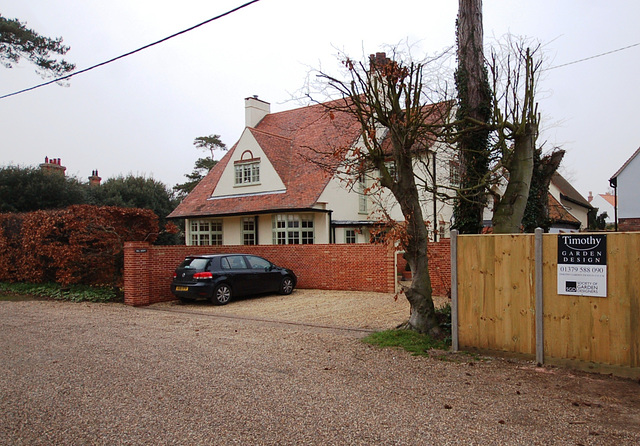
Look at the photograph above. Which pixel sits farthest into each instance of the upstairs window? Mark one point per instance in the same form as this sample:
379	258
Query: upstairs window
391	168
455	173
362	198
247	170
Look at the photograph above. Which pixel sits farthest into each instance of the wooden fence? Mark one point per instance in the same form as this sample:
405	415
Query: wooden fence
502	301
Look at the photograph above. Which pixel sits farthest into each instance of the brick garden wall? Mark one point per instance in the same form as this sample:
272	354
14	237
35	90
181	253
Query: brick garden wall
628	224
148	269
439	254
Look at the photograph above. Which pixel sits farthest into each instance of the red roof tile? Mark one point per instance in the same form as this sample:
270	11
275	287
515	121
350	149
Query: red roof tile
558	213
611	199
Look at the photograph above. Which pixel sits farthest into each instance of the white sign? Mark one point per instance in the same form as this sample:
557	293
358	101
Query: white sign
582	265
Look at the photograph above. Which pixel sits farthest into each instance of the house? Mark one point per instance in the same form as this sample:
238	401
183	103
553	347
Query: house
568	209
604	203
279	185
626	183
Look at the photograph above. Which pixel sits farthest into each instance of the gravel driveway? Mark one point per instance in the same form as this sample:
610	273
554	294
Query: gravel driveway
109	374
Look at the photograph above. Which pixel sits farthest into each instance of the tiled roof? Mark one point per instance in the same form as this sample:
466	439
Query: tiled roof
296	143
558	213
568	192
611	199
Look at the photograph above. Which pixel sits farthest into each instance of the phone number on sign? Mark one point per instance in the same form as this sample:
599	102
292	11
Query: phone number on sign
581	269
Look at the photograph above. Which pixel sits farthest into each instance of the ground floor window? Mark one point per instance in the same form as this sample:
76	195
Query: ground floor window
349	235
248	231
293	229
206	232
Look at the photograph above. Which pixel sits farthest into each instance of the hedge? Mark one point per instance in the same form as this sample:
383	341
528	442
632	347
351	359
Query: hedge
80	244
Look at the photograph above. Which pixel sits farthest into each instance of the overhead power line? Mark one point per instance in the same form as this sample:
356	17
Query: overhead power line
593	57
64	78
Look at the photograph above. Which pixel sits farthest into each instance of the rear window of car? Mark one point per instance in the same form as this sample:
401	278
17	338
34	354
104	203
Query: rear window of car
233	262
195	263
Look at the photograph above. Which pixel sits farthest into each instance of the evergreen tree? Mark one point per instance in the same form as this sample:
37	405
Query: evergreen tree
18	41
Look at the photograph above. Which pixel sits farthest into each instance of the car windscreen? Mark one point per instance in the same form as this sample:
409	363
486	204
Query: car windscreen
195	263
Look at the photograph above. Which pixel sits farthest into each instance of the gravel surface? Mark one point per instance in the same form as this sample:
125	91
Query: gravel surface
248	373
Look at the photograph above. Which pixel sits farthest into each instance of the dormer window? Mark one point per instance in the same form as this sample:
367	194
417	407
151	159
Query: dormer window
247	170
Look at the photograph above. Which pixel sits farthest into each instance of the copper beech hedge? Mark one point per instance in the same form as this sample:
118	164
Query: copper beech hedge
77	245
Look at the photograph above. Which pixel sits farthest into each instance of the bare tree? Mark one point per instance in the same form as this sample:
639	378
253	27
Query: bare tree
389	101
515	121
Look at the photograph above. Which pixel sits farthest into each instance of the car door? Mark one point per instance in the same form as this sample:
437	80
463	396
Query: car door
264	278
237	273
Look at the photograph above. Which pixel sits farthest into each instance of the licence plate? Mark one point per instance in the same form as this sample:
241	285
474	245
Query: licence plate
182	288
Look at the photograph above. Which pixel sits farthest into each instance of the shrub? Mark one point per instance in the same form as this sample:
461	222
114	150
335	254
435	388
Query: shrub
81	244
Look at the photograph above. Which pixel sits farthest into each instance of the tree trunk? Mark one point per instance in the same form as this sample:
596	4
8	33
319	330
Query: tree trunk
474	105
471	55
508	212
422	317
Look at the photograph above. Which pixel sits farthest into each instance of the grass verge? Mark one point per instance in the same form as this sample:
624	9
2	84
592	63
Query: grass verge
413	342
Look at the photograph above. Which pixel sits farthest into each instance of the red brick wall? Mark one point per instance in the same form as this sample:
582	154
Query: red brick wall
148	269
628	224
439	254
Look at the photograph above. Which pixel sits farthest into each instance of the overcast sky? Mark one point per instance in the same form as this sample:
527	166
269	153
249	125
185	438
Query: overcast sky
141	114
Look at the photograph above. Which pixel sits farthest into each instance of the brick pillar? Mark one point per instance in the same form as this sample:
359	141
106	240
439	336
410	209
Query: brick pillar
137	271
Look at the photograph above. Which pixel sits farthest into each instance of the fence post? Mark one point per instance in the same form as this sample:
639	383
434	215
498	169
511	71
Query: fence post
539	296
454	290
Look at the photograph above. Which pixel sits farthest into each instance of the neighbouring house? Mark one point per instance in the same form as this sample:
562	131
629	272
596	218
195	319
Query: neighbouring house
568	209
54	166
275	185
626	183
604	203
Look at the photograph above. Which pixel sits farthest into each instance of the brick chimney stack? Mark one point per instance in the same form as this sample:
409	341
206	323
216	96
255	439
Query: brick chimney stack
94	179
53	165
378	59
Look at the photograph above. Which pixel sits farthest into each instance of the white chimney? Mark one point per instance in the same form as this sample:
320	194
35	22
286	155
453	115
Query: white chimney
255	110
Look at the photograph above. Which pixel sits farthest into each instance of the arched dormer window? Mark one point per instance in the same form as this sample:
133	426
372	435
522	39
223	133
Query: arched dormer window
247	169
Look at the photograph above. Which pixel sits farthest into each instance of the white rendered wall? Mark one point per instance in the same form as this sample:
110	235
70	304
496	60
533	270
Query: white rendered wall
629	190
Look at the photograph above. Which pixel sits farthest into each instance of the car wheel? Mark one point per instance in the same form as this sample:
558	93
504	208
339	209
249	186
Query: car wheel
286	287
222	294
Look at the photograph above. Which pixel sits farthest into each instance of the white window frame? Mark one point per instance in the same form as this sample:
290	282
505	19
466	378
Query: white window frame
248	231
362	196
455	173
293	229
247	174
205	232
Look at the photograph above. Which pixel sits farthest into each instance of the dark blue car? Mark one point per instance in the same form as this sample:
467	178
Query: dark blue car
219	277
